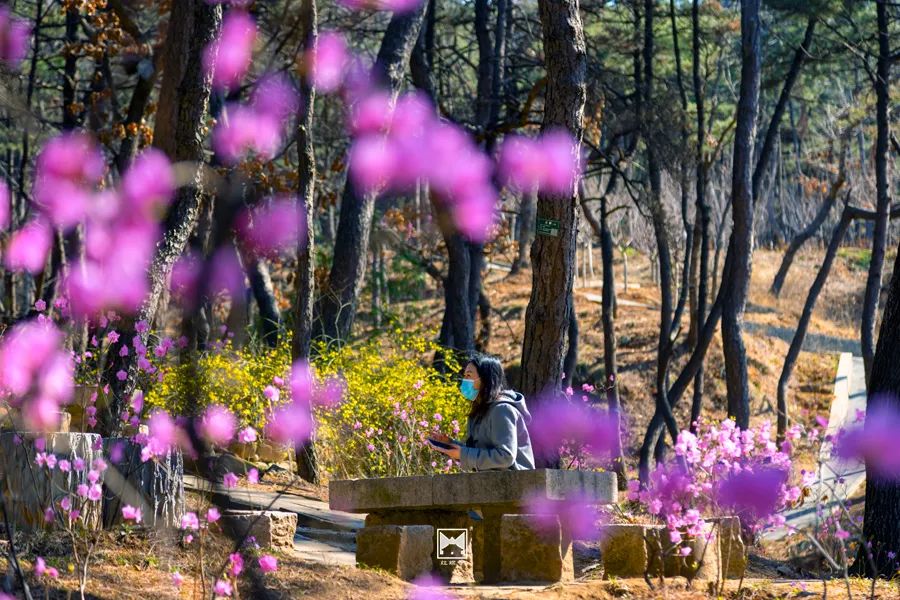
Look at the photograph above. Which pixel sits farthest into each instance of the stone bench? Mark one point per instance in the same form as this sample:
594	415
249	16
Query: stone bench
488	505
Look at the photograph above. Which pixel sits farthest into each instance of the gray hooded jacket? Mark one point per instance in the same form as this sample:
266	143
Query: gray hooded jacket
500	440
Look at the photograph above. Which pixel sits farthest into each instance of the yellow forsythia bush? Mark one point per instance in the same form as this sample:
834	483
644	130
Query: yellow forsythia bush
234	378
393	400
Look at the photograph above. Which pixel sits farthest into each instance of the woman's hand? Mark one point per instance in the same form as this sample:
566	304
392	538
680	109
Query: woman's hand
452	452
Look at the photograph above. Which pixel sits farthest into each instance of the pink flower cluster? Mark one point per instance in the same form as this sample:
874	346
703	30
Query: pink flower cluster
257	127
876	441
274	227
227	59
719	472
550	163
574	428
399	144
36	373
291	423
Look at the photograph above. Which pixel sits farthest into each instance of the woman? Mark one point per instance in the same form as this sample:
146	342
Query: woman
498	421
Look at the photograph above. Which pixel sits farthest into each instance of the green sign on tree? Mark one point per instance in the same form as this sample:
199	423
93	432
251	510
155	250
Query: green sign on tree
547	227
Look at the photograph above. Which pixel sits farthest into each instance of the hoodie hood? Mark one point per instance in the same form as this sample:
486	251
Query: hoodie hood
517	400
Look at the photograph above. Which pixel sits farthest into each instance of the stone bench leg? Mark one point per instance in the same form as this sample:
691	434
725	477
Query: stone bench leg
451	571
519	548
402	550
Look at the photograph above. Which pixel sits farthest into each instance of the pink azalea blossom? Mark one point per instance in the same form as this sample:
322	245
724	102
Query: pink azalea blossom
29	247
212	515
549	164
189	521
327	64
217	425
876	442
228	57
235	564
577	514
230	480
149	183
222	588
177	579
274	228
253	476
130	513
428	587
268	563
275	97
753	494
290	423
247	435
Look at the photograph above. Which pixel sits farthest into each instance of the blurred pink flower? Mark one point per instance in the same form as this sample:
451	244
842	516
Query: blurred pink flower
228	57
177	579
230	480
212	515
130	513
328	63
226	274
28	248
4	205
189	521
243	130
247	435
876	441
549	164
372	113
14	35
217	425
476	213
373	161
559	421
578	514
753	494
268	563
222	588
148	185
427	587
290	423
275	97
253	476
274	228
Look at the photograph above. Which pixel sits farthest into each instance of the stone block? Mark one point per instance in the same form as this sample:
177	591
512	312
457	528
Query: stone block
450	571
732	550
156	486
464	491
28	488
532	551
271	528
701	563
623	550
403	550
383	493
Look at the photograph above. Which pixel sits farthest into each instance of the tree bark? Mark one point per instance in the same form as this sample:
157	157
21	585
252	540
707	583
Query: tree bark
553	258
337	304
702	216
881	526
184	99
882	190
528	206
742	218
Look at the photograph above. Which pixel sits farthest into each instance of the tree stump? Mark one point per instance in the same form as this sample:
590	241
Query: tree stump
29	490
155	486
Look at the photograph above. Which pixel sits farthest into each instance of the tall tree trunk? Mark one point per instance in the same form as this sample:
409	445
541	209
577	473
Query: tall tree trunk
742	217
184	99
553	258
304	276
264	296
702	216
658	218
882	189
337	304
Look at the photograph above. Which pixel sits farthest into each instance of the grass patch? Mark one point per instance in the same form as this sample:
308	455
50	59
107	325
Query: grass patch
857	257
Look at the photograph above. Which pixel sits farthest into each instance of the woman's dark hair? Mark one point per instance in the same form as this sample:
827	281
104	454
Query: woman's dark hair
493	381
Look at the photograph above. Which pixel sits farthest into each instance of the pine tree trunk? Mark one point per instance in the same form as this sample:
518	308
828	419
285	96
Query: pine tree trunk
735	353
553	258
